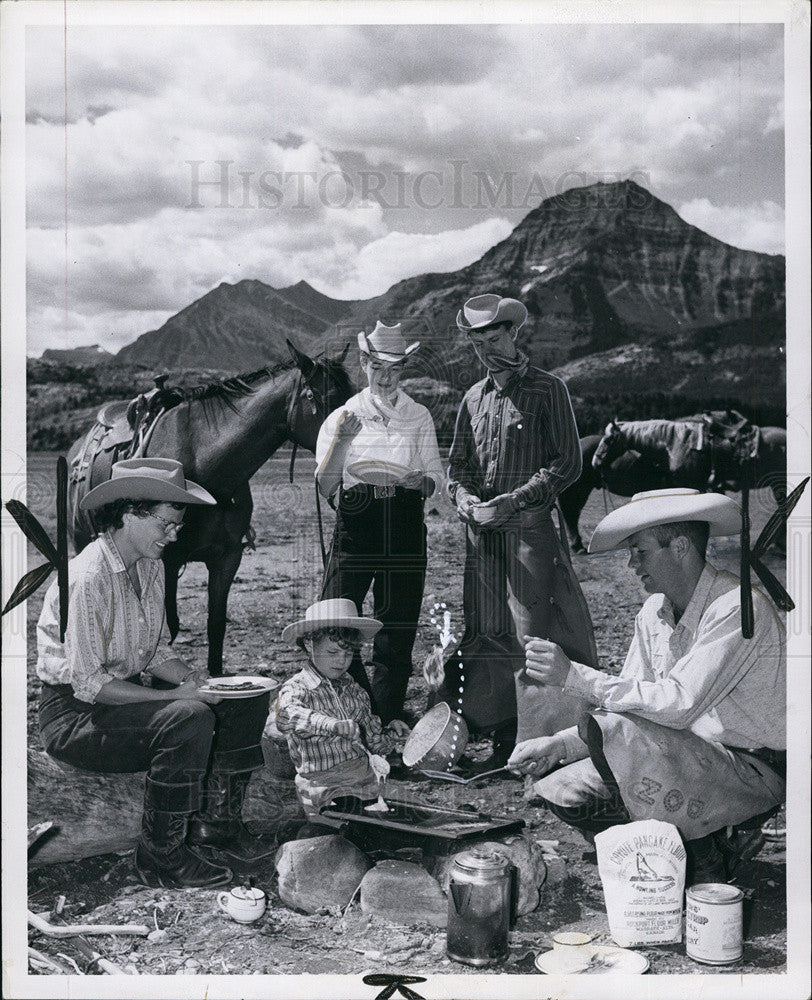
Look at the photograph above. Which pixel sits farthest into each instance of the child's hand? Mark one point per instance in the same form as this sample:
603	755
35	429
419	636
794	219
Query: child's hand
348	728
399	728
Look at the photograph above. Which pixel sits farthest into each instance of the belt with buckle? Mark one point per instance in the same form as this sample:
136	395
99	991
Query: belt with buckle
383	492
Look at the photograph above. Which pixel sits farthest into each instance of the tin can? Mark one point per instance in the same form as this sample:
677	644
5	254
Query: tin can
713	923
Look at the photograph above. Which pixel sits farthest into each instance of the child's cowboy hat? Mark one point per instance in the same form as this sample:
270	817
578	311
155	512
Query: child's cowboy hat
386	343
485	310
338	612
158	479
646	510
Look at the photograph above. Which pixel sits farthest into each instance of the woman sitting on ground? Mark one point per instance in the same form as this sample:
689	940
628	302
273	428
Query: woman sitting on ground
97	714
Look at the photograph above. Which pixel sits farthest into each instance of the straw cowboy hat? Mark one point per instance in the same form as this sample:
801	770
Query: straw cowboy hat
386	343
159	479
485	310
338	612
646	510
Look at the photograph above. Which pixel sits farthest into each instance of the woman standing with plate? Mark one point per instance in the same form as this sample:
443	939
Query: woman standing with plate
96	714
378	457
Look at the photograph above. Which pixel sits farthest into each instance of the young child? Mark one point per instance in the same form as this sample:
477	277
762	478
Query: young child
325	715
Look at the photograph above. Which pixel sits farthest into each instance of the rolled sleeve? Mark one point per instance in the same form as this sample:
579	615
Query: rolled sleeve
86	642
430	453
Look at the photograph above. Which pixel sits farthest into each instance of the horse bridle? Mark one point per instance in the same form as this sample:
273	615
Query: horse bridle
310	397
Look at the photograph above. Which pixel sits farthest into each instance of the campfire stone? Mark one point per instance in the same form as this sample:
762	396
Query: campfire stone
319	873
403	893
523	853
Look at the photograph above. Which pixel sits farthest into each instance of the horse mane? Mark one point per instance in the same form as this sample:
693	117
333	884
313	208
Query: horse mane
236	386
233	386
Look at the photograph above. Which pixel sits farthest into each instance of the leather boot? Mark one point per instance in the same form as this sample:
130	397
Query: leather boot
162	859
705	862
219	824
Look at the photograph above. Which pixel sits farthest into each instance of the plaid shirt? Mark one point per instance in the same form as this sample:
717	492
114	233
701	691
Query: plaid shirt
521	439
306	711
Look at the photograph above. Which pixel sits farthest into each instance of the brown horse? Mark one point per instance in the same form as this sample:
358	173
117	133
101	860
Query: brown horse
222	433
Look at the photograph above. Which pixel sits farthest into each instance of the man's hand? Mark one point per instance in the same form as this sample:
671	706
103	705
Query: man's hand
545	662
465	507
536	757
348	728
505	507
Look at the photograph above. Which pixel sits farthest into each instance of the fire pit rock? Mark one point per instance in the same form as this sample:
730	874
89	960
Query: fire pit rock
522	852
319	873
403	893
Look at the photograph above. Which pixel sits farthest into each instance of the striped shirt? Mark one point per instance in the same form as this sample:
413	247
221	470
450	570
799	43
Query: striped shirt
701	673
111	634
521	439
307	709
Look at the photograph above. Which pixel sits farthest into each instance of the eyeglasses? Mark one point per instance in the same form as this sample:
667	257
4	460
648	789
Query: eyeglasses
169	526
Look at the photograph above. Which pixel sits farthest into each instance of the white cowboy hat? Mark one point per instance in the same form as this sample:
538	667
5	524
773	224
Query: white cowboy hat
646	510
158	479
338	612
386	343
485	310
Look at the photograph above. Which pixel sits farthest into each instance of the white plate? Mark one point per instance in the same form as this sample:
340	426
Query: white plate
263	684
376	472
592	960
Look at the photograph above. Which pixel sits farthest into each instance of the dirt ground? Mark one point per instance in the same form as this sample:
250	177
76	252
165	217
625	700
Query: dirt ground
274	585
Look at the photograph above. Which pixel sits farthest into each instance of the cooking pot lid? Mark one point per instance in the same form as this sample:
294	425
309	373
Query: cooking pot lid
482	859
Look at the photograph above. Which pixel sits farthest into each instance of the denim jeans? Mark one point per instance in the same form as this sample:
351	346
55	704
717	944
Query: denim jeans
176	742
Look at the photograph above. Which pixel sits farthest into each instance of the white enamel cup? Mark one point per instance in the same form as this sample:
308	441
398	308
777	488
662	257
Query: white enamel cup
245	905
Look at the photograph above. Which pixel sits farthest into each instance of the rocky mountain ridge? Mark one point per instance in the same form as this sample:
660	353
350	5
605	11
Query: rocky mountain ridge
608	272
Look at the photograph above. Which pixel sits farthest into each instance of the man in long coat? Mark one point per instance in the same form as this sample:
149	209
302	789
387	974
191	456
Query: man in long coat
515	448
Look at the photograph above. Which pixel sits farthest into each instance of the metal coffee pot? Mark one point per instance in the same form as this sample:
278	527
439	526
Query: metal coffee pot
479	907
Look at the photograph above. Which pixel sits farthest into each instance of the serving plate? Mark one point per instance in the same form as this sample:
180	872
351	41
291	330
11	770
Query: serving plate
591	960
377	472
235	686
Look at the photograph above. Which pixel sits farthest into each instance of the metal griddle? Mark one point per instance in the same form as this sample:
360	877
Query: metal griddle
434	829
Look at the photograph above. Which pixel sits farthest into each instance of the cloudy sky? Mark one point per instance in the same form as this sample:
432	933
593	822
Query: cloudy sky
355	156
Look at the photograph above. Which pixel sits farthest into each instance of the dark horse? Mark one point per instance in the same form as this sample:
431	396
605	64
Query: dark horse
625	475
222	433
649	455
691	452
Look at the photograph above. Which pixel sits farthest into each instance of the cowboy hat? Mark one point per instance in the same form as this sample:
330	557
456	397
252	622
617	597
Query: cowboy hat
485	310
159	479
646	510
338	612
386	343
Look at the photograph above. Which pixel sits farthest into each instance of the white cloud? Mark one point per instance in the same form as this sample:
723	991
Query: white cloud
759	226
687	105
396	256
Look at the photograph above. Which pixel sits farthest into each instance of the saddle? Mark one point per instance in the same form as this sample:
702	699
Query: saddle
733	441
122	430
